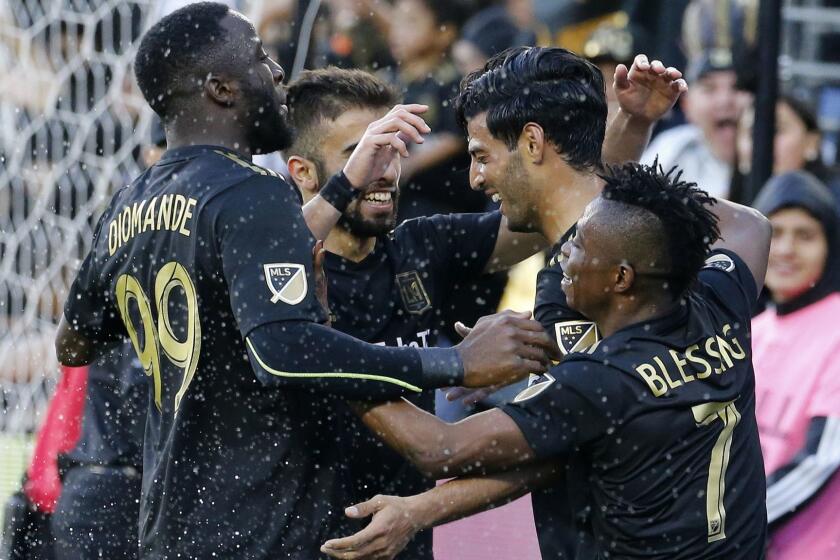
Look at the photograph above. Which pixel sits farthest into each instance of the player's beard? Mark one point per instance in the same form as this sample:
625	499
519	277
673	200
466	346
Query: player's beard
353	221
270	129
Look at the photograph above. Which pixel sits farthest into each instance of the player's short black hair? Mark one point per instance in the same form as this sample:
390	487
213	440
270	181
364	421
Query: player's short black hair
177	53
552	87
324	95
682	209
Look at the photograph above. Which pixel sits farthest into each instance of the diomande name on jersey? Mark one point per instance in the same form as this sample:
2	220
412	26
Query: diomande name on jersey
172	213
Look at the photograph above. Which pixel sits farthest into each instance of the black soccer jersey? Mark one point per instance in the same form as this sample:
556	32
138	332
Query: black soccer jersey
197	252
662	413
395	296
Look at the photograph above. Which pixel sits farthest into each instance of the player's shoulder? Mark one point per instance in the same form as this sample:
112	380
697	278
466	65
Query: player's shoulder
726	281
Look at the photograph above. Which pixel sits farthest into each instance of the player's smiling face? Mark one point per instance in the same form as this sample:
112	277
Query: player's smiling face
586	274
501	174
374	212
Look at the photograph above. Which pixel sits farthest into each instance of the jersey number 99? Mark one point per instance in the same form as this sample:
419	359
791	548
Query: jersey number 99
160	335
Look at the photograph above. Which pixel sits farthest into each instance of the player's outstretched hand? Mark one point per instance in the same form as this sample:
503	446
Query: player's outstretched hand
504	348
647	90
385	536
384	140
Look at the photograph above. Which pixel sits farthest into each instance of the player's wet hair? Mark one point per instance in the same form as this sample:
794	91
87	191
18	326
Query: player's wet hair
317	96
177	53
552	87
688	227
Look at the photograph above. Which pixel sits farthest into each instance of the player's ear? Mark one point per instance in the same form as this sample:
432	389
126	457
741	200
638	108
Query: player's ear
220	90
625	277
532	142
305	175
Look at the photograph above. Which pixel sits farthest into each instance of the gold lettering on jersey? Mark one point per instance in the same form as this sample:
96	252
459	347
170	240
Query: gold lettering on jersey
168	212
717	354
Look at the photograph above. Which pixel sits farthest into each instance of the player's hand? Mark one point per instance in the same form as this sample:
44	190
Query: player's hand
504	348
391	528
318	253
470	397
384	140
647	90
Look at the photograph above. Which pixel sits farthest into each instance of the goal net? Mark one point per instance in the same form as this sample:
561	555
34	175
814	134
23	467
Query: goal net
72	125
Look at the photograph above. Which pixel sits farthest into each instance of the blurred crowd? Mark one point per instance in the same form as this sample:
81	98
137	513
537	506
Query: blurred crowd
425	47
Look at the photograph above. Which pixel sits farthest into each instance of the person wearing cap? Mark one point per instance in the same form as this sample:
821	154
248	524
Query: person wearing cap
488	32
607	47
705	147
795	347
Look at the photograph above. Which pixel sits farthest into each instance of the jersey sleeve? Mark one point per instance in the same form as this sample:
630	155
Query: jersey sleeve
90	307
265	249
728	279
458	243
566	408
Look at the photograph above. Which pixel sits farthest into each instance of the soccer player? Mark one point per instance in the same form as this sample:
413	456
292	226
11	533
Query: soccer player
661	411
205	263
390	285
96	514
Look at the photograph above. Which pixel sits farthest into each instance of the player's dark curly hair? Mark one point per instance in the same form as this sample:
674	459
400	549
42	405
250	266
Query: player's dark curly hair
324	95
177	53
552	87
690	227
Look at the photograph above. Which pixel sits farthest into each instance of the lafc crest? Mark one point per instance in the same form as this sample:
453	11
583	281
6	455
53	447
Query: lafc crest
413	293
575	336
287	282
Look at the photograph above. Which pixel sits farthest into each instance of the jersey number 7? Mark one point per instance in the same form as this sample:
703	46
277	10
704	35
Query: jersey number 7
161	336
705	414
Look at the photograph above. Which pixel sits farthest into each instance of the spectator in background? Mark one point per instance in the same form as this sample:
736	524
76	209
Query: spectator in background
705	147
796	144
609	46
435	176
487	33
795	347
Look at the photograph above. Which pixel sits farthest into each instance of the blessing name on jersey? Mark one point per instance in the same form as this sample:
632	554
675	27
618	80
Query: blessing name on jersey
715	355
168	212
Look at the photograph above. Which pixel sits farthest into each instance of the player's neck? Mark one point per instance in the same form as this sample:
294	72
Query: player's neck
565	199
628	312
346	245
222	133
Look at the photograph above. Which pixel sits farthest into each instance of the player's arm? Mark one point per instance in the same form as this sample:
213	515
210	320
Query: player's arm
807	474
384	140
397	519
484	442
305	354
645	92
745	232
